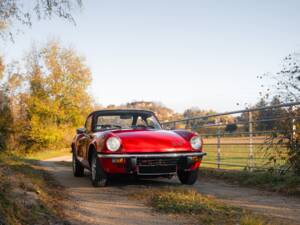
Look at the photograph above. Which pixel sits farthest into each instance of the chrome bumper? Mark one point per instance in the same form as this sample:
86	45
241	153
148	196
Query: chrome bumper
151	155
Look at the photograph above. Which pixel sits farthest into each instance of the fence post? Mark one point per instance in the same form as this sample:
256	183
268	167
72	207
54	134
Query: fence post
187	123
218	146
293	123
294	128
250	159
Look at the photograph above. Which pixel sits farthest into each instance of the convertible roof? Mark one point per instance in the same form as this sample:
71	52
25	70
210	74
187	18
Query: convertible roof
112	111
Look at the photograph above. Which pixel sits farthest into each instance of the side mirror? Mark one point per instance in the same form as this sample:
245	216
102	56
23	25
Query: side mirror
81	131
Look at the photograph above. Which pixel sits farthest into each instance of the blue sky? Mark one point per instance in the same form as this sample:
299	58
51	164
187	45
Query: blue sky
181	53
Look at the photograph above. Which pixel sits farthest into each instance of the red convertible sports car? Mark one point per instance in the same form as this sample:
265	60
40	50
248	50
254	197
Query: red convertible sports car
133	142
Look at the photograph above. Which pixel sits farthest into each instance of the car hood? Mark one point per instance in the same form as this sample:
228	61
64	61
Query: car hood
134	141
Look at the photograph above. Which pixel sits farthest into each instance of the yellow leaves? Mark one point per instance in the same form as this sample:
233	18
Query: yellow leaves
59	100
49	99
3	25
14	81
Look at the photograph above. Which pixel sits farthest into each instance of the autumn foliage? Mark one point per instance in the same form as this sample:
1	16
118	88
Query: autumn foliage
45	100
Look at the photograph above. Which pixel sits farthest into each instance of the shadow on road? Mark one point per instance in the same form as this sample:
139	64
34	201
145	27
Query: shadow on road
64	168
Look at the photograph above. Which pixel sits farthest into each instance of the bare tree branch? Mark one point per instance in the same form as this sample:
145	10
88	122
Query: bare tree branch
18	12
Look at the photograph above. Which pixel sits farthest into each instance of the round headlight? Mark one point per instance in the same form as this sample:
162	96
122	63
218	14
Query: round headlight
196	142
113	143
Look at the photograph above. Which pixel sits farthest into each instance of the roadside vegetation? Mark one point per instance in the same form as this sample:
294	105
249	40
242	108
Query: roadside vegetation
198	208
28	195
42	155
29	120
286	184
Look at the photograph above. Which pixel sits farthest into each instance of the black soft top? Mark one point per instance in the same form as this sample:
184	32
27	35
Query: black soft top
121	111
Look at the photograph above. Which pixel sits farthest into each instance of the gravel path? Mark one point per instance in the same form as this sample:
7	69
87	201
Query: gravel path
110	205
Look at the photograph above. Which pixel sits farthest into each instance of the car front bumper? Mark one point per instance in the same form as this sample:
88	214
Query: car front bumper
151	163
152	155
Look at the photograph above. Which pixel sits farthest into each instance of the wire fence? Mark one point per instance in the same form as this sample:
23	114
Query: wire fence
244	139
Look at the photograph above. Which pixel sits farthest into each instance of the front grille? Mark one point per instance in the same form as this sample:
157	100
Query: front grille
157	165
167	169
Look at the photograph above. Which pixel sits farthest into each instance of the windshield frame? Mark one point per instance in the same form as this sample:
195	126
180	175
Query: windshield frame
135	113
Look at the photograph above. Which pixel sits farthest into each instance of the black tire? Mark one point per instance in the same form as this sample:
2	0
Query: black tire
78	169
98	176
188	177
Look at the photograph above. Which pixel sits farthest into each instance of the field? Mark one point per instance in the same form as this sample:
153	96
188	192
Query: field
234	153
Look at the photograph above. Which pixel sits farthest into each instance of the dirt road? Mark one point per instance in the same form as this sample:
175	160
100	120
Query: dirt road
110	205
285	209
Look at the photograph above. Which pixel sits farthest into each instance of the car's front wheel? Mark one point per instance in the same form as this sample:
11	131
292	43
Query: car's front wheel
188	177
78	169
98	176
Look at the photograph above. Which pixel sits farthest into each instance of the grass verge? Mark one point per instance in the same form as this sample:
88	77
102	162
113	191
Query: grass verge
199	208
286	184
28	195
47	154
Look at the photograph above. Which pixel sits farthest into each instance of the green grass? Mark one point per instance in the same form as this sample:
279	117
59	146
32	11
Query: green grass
199	208
286	184
28	195
235	154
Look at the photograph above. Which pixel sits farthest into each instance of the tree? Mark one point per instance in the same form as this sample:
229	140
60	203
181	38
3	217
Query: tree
231	127
287	81
13	12
5	120
260	116
43	102
264	119
195	112
5	112
58	100
287	89
162	112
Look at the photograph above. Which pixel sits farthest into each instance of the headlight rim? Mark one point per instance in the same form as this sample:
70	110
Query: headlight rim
198	145
108	146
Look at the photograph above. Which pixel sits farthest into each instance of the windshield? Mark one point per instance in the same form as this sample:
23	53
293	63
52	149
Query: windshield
127	121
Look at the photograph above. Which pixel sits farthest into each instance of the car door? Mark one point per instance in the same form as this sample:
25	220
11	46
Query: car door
84	141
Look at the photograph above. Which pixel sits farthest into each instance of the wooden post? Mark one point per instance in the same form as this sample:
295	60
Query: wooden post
187	123
218	146
294	128
293	123
250	159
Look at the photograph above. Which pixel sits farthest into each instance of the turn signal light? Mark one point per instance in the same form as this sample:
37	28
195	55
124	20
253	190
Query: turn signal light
196	159
118	161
